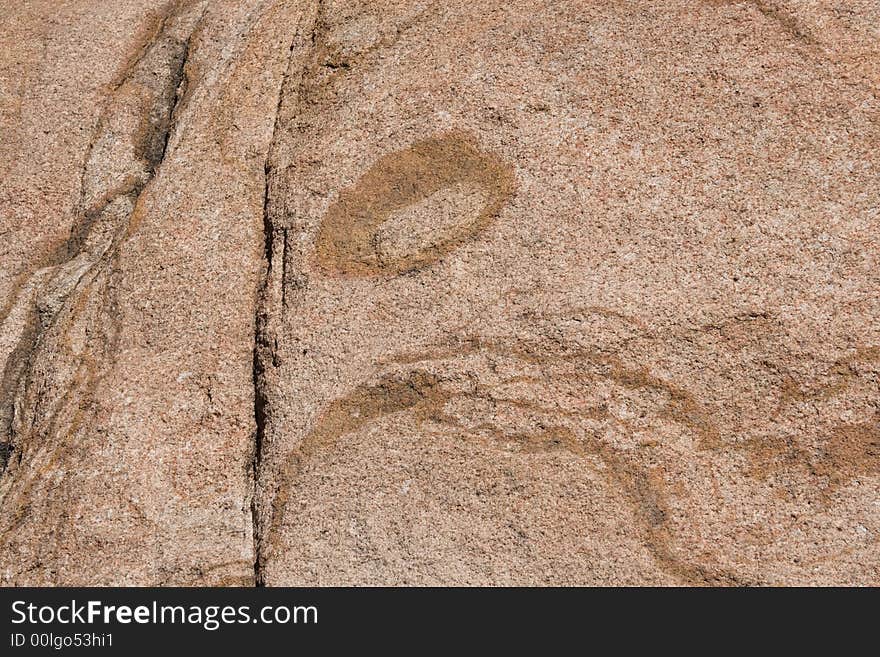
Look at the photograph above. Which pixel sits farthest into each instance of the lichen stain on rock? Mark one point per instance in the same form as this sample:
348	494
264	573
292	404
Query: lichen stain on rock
347	243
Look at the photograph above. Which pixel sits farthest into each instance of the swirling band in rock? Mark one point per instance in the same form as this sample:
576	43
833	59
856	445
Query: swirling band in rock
655	443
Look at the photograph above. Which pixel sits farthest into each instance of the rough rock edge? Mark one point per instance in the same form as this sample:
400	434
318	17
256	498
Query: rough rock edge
16	371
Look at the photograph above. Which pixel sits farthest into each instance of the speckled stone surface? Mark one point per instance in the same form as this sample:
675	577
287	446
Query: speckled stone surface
459	293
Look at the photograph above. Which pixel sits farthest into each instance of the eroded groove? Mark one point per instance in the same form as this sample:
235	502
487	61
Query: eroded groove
777	14
129	146
784	19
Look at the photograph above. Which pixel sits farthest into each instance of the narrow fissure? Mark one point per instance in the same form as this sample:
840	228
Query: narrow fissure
261	402
265	346
260	406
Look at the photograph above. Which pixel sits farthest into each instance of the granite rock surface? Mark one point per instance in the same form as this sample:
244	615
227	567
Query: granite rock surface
453	293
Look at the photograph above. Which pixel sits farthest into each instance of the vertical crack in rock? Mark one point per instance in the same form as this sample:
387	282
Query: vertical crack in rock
129	145
271	294
260	345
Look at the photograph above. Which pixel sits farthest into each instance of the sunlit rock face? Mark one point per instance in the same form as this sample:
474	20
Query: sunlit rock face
440	293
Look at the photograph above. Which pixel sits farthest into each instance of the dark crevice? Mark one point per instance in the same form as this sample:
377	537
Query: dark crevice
13	371
281	286
5	453
265	354
261	403
284	277
154	145
262	345
151	146
260	411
